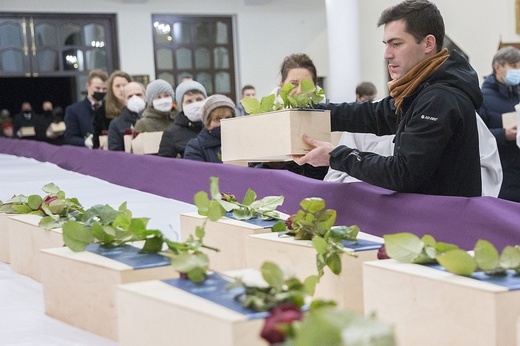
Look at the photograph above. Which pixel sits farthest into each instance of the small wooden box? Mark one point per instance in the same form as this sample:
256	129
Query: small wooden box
5	253
58	127
26	239
103	142
273	136
157	313
127	139
434	307
227	234
27	131
79	288
147	143
299	256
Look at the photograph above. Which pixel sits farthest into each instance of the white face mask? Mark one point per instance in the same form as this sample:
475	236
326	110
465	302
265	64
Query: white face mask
136	104
163	105
192	111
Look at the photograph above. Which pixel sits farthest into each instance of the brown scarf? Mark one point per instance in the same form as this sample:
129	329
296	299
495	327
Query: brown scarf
404	86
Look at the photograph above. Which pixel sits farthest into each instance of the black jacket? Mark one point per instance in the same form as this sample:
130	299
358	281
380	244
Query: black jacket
175	138
498	99
118	127
436	141
205	147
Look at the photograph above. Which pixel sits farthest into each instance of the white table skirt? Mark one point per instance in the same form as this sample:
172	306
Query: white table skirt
22	317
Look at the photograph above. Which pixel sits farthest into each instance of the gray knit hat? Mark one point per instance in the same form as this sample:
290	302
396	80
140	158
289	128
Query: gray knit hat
184	87
156	87
213	102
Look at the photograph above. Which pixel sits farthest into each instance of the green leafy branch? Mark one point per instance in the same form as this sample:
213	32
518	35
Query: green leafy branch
409	248
249	208
314	222
278	289
325	324
55	207
110	228
309	96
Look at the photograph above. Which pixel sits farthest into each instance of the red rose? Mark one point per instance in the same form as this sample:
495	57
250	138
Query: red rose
135	134
381	253
278	320
128	131
47	201
227	196
288	222
105	132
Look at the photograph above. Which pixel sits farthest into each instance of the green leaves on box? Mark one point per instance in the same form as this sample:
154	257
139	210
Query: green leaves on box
309	96
314	222
55	208
409	248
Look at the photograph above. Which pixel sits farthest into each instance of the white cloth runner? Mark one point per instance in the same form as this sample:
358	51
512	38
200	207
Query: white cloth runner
22	317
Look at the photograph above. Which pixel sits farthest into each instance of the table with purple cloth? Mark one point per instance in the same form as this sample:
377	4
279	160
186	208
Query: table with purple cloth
375	210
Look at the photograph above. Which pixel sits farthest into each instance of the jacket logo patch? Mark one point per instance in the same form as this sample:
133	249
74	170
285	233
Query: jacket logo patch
429	118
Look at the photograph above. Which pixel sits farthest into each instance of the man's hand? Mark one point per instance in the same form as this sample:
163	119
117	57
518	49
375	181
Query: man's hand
318	156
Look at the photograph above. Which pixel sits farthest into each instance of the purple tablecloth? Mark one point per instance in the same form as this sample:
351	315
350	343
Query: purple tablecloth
377	211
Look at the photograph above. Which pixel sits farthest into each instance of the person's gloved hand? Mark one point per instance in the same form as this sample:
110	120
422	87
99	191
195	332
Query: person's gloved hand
88	141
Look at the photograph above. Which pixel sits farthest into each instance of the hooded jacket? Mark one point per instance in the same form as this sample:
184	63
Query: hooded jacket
436	141
205	147
498	99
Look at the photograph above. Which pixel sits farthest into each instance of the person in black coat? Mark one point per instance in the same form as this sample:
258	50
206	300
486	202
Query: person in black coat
187	124
501	91
135	98
206	146
79	116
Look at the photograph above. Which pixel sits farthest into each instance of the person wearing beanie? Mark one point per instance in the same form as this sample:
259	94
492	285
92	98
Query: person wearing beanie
206	146
159	113
190	96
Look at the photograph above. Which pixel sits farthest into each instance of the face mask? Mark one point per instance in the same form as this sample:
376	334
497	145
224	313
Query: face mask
98	96
163	105
215	132
136	104
512	77
192	111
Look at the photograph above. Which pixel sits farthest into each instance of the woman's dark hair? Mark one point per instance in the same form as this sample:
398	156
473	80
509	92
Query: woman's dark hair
422	18
298	61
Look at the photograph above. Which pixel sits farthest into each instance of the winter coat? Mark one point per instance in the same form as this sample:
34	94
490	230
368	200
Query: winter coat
78	121
118	127
205	147
175	138
436	141
154	120
498	99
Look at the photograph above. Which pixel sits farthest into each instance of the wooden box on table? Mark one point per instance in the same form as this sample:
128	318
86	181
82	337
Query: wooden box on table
430	306
80	287
147	143
183	313
5	253
299	256
26	239
227	234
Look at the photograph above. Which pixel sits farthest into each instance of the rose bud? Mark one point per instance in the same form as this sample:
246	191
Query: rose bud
47	201
277	321
381	253
288	222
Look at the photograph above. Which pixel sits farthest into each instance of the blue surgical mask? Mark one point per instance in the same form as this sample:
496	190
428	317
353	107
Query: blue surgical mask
512	77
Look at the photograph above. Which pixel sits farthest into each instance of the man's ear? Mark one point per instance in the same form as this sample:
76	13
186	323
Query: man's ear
431	43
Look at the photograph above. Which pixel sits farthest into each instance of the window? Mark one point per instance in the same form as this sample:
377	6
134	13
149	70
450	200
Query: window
200	47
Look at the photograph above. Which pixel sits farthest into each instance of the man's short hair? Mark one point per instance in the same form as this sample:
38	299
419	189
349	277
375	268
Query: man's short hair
97	73
366	89
247	87
422	18
507	55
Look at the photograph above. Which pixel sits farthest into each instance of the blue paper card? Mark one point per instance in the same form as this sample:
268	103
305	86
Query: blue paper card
214	290
130	255
256	221
361	245
510	280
